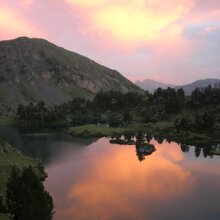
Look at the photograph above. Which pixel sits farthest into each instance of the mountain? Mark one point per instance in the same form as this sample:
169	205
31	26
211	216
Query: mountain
152	85
202	83
35	69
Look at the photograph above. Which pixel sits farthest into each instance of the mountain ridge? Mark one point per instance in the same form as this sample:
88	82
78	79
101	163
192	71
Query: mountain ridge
33	69
152	85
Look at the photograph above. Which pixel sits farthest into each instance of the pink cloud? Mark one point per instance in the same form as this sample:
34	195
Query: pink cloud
13	25
141	38
132	22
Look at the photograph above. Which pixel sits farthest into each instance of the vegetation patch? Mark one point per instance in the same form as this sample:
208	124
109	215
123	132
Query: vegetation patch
7	121
93	130
12	159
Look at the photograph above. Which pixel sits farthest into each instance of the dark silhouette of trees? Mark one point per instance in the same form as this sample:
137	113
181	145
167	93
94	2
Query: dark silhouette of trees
185	148
204	121
2	205
182	123
205	96
127	118
26	198
197	151
21	111
114	108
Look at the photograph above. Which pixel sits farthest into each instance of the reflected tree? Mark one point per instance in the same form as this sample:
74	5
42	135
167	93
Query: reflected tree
185	148
149	137
159	138
197	151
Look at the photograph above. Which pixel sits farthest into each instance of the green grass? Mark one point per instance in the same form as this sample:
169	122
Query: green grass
10	157
4	217
165	129
103	131
6	121
93	131
159	126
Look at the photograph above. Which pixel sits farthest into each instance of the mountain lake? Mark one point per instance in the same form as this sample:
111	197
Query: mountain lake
92	179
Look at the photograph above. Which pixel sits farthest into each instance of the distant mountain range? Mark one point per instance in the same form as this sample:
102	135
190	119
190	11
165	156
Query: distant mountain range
35	69
152	85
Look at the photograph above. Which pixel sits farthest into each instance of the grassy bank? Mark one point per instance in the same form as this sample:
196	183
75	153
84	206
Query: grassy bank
4	217
164	129
7	121
103	130
10	157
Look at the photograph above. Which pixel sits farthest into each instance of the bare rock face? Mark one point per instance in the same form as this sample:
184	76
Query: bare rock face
35	69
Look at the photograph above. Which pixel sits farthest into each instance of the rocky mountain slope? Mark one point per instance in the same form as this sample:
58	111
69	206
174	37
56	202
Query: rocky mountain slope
152	85
35	69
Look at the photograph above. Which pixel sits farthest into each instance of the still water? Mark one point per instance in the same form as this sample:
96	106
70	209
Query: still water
91	179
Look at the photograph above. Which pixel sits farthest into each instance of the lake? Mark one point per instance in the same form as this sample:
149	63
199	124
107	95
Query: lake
92	179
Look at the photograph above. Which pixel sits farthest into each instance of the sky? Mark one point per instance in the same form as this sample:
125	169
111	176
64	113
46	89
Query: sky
172	41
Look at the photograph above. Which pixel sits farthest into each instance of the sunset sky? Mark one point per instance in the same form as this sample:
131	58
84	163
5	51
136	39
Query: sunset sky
175	41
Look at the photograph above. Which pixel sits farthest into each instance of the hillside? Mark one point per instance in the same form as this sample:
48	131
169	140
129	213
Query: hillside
35	69
152	85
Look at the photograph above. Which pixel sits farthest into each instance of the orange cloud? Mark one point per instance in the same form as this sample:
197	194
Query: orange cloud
13	25
140	20
115	184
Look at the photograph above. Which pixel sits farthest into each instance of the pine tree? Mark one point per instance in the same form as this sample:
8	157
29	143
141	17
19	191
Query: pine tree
2	205
26	198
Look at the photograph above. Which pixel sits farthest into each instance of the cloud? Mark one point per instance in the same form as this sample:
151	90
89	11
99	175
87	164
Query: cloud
27	2
140	38
135	21
113	178
13	25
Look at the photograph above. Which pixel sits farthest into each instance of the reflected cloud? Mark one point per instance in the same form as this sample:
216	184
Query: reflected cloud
118	185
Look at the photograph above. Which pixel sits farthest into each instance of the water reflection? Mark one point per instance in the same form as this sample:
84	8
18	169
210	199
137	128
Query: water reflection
95	179
144	148
108	182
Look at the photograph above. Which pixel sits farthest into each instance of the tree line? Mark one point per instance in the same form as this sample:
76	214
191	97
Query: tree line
198	110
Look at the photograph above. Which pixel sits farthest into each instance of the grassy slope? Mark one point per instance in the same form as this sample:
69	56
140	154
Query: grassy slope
10	157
